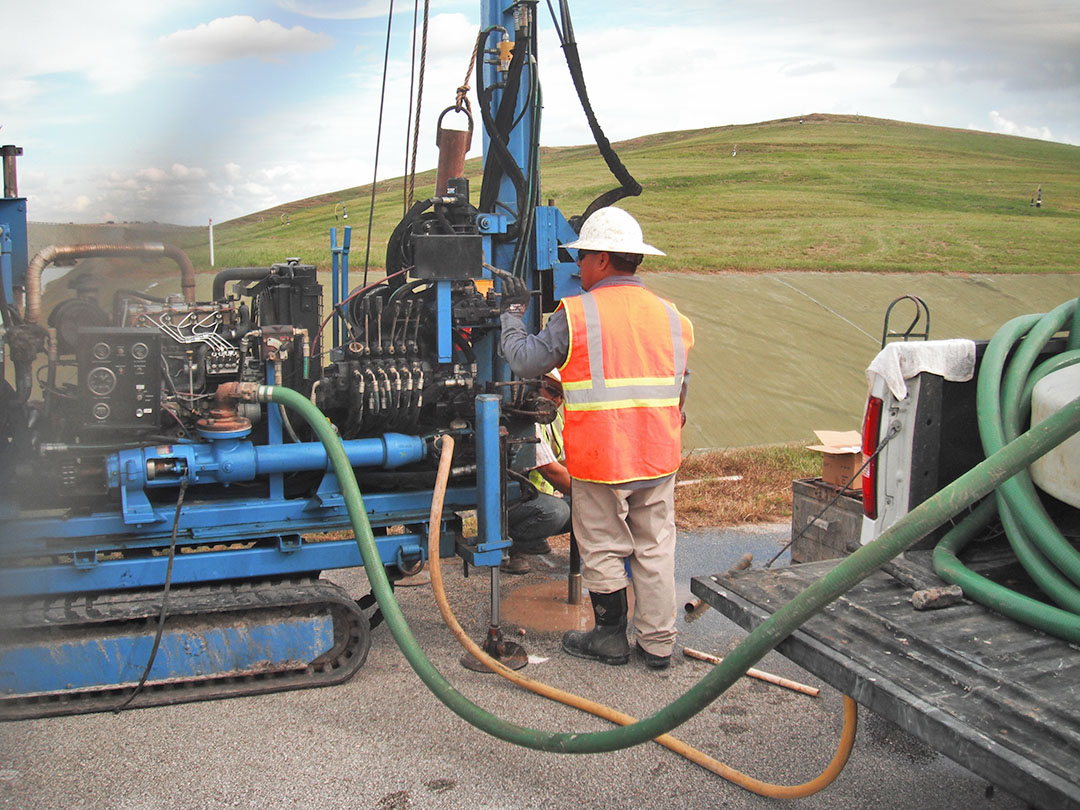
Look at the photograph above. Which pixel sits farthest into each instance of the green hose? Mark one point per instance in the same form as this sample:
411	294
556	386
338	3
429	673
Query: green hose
956	497
1007	378
1057	622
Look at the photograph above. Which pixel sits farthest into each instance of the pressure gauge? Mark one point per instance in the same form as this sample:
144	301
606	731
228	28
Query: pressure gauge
101	381
139	351
102	350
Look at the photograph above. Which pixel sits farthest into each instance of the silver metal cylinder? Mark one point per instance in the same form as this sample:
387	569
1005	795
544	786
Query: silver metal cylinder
573	589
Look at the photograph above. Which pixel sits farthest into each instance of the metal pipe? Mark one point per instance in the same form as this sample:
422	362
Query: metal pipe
229	460
50	254
573	583
11	181
236	274
488	504
453	145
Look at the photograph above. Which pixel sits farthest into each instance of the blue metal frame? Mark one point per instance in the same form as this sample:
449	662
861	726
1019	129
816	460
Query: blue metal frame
14	251
551	230
339	280
89	541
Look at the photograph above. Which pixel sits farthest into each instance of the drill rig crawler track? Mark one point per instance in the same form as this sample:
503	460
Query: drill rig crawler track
233	628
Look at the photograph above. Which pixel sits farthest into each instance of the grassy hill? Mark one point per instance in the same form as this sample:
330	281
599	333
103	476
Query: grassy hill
821	192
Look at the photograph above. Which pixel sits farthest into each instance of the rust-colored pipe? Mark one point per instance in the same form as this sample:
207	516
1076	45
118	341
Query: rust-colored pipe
453	145
48	255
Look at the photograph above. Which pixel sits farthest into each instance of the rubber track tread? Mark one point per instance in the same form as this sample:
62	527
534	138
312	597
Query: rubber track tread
351	640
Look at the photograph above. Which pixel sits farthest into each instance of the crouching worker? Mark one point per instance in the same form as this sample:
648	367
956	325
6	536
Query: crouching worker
530	522
622	352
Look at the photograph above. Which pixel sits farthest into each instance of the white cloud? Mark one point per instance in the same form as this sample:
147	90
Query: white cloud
809	68
241	37
105	43
151	174
926	75
999	123
929	61
17	91
183	172
449	37
337	9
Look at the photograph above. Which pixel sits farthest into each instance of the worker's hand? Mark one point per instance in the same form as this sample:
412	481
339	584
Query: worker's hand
515	296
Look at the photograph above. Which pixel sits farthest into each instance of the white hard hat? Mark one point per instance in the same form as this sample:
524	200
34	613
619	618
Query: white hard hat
615	231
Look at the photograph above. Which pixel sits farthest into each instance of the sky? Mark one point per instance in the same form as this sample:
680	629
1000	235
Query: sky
188	110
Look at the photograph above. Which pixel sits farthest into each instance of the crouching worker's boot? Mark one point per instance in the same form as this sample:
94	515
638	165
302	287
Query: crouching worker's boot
607	640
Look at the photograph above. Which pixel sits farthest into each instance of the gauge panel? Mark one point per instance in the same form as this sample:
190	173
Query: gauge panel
119	379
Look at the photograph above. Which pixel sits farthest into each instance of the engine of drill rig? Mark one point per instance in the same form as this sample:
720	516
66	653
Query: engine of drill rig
149	370
147	373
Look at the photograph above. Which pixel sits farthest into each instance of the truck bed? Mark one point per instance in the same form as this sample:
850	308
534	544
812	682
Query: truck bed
999	698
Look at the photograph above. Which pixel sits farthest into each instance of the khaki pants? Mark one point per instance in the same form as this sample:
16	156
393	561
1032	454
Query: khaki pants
612	524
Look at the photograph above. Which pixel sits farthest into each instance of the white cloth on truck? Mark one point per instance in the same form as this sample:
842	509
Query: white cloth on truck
900	361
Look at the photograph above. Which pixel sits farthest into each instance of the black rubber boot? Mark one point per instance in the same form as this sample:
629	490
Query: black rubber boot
606	642
652	661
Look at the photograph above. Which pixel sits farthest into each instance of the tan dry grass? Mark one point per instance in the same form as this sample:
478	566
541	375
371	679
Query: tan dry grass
741	485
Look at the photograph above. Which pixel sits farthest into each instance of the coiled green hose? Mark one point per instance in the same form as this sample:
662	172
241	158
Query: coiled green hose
1003	403
956	497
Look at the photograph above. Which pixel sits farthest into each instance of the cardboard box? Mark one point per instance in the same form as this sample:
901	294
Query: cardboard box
841	456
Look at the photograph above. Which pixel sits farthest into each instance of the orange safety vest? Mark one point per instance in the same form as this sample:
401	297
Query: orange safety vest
621	382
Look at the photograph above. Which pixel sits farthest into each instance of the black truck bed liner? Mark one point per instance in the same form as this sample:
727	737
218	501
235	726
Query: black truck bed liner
999	698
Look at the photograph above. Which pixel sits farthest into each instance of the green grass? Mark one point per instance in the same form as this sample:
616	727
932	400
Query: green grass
834	193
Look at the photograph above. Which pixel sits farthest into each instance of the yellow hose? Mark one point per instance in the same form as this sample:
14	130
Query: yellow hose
825	778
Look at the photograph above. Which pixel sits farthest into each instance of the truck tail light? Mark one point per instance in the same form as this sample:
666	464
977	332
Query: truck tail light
870	433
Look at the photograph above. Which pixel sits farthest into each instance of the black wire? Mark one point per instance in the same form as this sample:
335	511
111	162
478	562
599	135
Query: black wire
409	118
164	603
555	22
892	432
533	104
378	140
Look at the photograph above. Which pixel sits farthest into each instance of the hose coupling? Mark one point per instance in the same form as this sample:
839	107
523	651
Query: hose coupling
233	392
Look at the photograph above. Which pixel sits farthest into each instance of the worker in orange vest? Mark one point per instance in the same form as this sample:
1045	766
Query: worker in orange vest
622	353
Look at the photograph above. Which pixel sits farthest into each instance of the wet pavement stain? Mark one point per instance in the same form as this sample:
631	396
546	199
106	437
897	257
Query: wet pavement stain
543	607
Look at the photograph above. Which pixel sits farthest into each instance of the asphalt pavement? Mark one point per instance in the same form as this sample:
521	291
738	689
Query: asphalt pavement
382	741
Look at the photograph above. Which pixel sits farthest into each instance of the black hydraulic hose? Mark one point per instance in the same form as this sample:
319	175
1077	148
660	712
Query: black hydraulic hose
164	612
630	187
497	140
395	246
236	274
463	344
532	192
